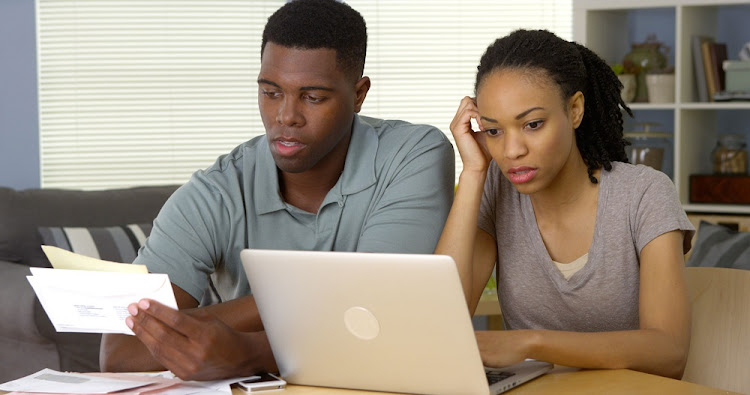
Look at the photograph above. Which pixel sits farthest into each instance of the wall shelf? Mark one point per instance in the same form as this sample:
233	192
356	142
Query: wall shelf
609	28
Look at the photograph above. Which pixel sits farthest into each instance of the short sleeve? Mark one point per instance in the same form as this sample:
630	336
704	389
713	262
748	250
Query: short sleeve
658	210
185	240
488	206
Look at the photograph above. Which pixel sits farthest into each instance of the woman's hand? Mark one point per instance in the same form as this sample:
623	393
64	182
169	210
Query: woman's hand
503	348
471	144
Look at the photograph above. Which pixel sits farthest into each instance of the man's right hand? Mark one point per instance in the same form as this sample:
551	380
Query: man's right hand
218	341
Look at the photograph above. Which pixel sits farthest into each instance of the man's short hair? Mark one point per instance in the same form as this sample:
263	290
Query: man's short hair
316	24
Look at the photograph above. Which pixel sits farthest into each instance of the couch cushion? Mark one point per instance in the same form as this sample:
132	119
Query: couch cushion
113	243
719	246
24	212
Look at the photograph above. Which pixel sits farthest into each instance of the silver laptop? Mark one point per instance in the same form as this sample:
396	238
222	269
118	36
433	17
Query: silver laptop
383	322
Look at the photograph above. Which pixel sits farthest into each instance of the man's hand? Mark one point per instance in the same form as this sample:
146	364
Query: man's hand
197	345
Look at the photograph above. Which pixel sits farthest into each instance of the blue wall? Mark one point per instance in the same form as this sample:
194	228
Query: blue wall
19	120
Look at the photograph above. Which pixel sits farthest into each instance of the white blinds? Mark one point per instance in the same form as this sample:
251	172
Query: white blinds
423	55
137	92
144	92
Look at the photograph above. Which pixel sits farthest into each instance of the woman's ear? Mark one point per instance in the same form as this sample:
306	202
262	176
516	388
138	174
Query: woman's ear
575	109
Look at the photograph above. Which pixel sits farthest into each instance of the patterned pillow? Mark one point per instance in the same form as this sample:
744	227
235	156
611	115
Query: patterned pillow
114	243
719	246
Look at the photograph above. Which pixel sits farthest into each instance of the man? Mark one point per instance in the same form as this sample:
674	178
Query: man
322	178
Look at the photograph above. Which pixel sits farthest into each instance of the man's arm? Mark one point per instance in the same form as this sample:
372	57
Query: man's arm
217	341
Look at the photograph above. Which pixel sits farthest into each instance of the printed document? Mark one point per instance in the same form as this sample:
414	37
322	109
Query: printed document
95	301
53	382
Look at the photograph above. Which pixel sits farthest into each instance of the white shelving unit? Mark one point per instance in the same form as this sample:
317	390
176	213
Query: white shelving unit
607	27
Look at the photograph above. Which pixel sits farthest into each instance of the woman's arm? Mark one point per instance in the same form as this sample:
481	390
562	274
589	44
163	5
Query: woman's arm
473	249
660	346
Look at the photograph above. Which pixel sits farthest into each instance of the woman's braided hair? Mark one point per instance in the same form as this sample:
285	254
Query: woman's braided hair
573	68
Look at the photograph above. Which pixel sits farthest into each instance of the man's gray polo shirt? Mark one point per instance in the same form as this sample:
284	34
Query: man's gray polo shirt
393	196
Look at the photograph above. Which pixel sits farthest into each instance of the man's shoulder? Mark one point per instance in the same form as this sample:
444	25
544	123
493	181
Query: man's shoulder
395	131
227	171
232	161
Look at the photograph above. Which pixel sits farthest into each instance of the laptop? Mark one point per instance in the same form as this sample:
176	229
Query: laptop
372	321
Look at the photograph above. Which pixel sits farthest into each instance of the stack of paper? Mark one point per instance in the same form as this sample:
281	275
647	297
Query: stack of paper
52	382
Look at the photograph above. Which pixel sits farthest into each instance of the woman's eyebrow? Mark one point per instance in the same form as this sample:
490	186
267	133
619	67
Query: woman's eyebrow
519	116
525	113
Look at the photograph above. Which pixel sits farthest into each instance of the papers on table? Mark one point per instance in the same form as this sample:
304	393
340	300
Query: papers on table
48	381
95	301
54	382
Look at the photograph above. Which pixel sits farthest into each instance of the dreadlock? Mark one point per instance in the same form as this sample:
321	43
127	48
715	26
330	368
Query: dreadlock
573	68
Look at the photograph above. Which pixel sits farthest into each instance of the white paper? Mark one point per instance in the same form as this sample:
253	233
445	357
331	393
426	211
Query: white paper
52	381
93	301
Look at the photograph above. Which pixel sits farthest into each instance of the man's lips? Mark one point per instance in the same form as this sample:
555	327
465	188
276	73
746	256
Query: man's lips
287	147
522	174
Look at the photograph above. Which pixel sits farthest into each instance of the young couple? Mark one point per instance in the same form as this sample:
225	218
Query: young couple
589	249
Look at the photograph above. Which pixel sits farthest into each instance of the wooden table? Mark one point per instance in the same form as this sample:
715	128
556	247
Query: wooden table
563	380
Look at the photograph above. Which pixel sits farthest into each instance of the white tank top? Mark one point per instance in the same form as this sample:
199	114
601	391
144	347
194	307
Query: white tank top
569	269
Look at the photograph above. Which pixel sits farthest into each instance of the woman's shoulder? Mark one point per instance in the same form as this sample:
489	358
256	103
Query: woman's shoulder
636	183
627	174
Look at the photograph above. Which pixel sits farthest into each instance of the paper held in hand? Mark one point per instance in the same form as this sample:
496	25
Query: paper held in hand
83	294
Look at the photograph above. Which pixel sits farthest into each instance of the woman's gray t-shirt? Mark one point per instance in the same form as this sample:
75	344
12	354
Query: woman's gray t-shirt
636	204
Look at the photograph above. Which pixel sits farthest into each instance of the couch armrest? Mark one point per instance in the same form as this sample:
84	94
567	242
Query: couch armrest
19	305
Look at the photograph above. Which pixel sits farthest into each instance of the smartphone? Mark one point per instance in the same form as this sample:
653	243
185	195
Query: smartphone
262	382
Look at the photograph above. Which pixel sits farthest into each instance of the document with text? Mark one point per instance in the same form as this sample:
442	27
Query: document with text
96	301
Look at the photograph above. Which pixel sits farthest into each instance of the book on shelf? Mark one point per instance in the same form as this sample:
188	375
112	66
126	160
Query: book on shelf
700	76
708	74
718	56
713	54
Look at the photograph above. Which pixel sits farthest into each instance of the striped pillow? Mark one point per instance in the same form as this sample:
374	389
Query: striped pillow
114	243
719	246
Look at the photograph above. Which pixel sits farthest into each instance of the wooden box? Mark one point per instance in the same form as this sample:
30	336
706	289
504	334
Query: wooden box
734	189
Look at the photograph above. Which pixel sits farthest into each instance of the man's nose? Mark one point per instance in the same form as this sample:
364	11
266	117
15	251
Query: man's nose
289	114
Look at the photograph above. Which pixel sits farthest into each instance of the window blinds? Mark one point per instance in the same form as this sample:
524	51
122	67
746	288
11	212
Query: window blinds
423	55
144	92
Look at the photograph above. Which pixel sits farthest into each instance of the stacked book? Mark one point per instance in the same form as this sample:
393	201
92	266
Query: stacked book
708	58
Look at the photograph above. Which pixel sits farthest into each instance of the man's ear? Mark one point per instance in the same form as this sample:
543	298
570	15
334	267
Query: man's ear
576	107
361	89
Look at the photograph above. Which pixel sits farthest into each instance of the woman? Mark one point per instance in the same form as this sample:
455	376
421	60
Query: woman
589	248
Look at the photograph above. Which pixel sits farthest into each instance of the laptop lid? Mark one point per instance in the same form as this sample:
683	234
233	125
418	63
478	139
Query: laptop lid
385	322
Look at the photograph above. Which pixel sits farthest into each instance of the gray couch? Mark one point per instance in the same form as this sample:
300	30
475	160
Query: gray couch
28	342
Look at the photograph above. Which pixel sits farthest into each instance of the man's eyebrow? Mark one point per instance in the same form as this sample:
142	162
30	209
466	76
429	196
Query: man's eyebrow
304	88
265	81
316	88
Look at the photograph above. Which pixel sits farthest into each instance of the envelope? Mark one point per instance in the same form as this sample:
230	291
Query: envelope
64	259
95	301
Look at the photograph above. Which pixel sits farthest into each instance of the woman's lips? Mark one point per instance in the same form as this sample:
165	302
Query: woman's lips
520	175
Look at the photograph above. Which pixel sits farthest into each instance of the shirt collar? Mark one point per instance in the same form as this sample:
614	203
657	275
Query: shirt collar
358	174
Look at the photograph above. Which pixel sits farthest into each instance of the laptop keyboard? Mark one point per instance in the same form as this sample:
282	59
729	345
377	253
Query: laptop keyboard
494	376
